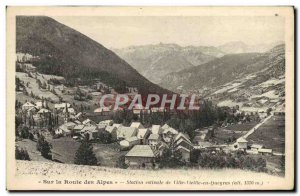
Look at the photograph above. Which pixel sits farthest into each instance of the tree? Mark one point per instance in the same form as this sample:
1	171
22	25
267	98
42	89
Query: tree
44	147
24	132
269	111
171	157
21	154
85	154
104	137
195	153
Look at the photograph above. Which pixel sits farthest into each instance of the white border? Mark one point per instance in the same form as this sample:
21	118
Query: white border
5	3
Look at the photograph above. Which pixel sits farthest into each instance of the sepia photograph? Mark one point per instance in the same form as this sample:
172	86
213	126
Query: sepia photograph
150	98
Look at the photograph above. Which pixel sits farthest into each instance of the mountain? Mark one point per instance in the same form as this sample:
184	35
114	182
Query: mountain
64	51
155	61
241	47
228	68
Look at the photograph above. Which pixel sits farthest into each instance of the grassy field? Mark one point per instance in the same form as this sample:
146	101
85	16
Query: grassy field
232	132
30	146
242	127
108	154
64	150
271	134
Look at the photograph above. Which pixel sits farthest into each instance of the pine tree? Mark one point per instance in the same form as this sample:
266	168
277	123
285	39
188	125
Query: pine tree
85	154
44	147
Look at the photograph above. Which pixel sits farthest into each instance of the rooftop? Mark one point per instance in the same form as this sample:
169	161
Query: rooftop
140	151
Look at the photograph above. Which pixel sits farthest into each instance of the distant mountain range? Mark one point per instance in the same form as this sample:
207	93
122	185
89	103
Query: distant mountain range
66	52
156	61
241	47
228	68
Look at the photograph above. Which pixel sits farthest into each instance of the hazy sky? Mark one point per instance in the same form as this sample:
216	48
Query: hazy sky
118	32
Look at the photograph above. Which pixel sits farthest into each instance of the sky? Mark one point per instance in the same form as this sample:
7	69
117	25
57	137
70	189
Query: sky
124	31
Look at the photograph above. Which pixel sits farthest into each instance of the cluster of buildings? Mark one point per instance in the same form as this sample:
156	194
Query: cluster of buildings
144	144
38	110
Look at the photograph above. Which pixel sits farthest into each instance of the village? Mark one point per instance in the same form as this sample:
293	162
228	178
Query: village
143	145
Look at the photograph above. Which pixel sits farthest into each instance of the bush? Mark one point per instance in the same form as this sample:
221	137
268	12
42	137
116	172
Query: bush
238	160
21	154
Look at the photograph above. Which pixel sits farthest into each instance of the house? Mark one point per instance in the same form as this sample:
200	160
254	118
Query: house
157	109
39	104
168	134
88	122
106	122
185	152
256	147
129	142
101	127
156	129
91	131
63	130
126	132
203	145
113	131
137	125
241	143
77	116
103	111
44	112
59	106
165	126
70	110
137	109
27	106
77	122
70	125
153	140
61	87
78	128
265	151
32	110
117	125
141	156
142	135
181	141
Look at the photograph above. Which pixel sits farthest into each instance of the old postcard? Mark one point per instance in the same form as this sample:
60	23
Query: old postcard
150	98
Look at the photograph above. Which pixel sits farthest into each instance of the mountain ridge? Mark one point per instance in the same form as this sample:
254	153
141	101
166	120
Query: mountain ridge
67	52
225	69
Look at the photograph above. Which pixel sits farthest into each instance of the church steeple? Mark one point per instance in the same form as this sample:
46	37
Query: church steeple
66	113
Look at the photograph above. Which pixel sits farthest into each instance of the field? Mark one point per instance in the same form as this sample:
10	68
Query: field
108	154
30	146
64	150
271	134
34	87
232	132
